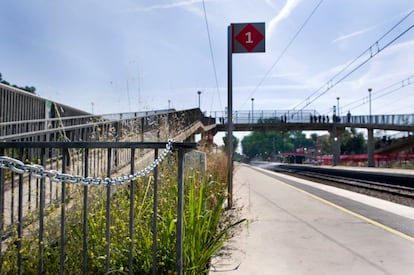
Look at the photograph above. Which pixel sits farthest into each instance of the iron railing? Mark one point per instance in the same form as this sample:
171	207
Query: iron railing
28	191
397	119
16	104
260	116
114	127
310	116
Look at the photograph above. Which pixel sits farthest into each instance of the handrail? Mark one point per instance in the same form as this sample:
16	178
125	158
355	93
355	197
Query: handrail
36	183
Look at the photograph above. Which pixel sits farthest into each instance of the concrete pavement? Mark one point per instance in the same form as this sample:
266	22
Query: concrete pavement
290	231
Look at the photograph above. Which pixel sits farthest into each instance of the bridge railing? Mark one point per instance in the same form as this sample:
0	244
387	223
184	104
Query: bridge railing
36	125
309	116
266	116
131	115
397	119
92	128
34	199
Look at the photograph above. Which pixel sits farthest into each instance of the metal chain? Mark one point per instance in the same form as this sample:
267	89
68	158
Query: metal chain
39	171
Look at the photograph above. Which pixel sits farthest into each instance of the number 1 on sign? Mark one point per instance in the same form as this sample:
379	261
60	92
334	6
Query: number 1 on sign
249	38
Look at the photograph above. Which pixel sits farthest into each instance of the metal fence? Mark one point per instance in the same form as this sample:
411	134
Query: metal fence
16	104
310	116
110	127
28	191
397	119
265	116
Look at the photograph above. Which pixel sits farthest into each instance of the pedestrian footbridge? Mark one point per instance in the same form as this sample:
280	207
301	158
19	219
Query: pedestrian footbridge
311	120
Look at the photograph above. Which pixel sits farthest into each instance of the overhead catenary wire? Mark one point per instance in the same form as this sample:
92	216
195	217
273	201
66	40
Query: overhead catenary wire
284	51
396	86
377	49
381	93
405	101
403	85
212	59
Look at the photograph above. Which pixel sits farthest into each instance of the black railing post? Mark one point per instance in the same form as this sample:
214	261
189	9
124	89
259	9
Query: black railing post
131	215
85	216
108	214
41	214
63	216
2	182
180	211
12	200
154	219
20	221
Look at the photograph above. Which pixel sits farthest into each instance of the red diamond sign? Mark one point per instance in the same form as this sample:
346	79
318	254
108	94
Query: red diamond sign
248	37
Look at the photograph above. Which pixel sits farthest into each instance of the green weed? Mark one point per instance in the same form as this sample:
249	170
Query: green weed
206	227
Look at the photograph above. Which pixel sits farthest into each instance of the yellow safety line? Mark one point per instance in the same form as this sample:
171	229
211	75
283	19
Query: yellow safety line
387	228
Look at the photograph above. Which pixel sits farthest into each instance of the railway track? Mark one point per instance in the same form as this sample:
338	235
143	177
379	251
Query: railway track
394	191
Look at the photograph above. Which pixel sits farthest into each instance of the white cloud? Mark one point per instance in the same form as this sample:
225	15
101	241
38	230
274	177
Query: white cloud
283	14
174	4
389	67
283	75
350	35
270	3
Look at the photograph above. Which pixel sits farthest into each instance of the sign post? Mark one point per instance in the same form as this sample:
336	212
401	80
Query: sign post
242	38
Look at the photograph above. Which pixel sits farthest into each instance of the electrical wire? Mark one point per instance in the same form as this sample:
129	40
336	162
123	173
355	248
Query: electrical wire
331	84
212	59
381	93
385	92
284	51
405	103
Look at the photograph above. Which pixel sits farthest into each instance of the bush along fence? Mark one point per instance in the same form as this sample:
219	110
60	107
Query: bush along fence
54	221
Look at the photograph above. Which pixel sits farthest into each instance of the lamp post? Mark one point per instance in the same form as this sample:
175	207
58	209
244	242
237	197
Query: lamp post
199	93
337	105
169	104
335	144
252	99
370	114
92	106
371	145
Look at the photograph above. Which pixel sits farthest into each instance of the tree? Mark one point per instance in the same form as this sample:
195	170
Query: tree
299	140
353	142
235	143
325	145
267	144
3	81
29	89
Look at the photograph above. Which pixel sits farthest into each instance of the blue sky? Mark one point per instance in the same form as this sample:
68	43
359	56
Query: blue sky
138	55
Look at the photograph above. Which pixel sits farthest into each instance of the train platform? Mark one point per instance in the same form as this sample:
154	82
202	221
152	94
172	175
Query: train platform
298	227
392	171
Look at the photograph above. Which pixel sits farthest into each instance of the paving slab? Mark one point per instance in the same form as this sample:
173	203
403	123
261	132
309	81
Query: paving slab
290	231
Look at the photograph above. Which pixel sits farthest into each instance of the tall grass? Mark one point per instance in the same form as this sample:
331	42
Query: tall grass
202	235
205	227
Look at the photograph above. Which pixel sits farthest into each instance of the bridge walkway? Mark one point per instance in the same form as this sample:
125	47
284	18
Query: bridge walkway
310	120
